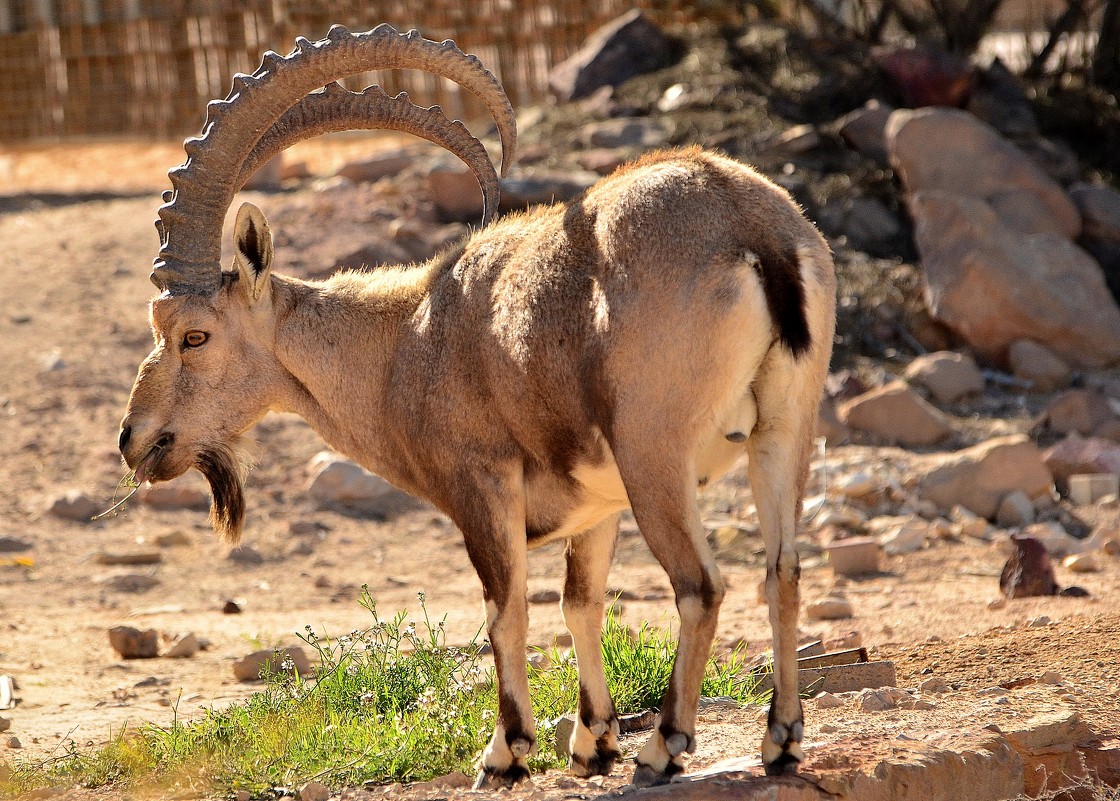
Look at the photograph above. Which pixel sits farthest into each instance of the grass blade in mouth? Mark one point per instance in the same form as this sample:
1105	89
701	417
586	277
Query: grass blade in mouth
129	481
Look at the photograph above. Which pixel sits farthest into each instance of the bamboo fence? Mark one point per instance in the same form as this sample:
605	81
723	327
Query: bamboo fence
148	67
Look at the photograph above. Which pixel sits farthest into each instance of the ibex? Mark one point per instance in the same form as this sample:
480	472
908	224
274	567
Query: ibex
554	368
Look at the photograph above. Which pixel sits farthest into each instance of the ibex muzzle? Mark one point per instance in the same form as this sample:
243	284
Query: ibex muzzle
553	369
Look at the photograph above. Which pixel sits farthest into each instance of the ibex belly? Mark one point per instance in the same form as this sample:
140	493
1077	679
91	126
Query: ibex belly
601	491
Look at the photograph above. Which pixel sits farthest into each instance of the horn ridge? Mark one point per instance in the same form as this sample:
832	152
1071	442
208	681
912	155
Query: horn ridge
205	184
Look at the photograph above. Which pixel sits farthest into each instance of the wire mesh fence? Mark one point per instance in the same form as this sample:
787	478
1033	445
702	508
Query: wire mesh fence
148	67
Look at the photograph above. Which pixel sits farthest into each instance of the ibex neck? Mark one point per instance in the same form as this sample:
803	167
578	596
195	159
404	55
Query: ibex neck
337	339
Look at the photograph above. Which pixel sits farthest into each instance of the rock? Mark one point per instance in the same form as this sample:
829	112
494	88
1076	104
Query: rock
842	517
1016	509
828	701
14	545
454	191
279	660
183	646
934	685
245	555
856	485
173	539
449	781
970	525
13	743
380	165
641	132
132	643
267	176
854	556
871	700
1038	364
603	160
544	597
947	375
128	558
186	492
979	477
1086	488
1052	677
628	46
1082	563
314	791
1111	546
1099	206
1054	538
74	505
5	724
1029	572
925	76
910	537
896	413
994	285
339	482
795	141
543	188
1075	454
831	608
1081	411
863	130
844	642
948	151
873	228
132	582
231	608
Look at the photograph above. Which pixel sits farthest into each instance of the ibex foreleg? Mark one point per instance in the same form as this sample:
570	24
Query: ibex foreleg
594	743
491	515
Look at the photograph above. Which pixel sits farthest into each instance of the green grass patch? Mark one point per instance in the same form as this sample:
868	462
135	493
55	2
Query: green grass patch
390	703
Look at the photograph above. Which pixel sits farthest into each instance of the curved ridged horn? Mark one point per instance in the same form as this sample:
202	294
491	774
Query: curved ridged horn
189	260
337	109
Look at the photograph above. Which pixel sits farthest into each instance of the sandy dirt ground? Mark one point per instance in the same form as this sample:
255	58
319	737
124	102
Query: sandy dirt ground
75	247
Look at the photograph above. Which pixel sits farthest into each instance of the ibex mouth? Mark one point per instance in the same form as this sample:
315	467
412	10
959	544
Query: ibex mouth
145	466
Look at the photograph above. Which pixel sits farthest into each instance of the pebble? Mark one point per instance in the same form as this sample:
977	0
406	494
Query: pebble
12	544
934	685
173	539
5	724
997	603
1111	546
131	643
844	642
132	558
13	742
857	485
830	609
74	505
184	646
132	582
828	701
876	700
447	782
1039	622
243	795
245	555
231	608
1082	563
314	791
1052	677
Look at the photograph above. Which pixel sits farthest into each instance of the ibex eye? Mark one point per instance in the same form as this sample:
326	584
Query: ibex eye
194	339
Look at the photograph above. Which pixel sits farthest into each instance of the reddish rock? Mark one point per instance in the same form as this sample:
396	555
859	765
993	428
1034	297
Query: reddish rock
1079	411
132	643
1076	454
925	76
896	413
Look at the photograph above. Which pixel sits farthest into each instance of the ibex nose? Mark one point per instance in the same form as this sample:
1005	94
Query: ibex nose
126	435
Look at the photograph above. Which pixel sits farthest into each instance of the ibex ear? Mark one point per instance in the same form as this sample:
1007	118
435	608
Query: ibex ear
252	250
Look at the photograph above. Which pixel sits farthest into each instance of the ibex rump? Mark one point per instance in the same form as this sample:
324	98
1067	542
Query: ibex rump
555	368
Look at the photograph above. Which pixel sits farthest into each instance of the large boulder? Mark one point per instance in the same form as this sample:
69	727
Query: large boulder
624	48
978	478
1076	454
951	151
947	375
995	285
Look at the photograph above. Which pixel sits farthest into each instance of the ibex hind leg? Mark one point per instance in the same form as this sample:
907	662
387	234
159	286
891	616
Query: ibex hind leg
788	394
594	744
662	494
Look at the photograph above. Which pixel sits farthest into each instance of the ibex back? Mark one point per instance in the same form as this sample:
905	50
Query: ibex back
558	366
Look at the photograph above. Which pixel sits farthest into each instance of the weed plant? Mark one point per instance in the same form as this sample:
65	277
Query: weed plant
389	703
